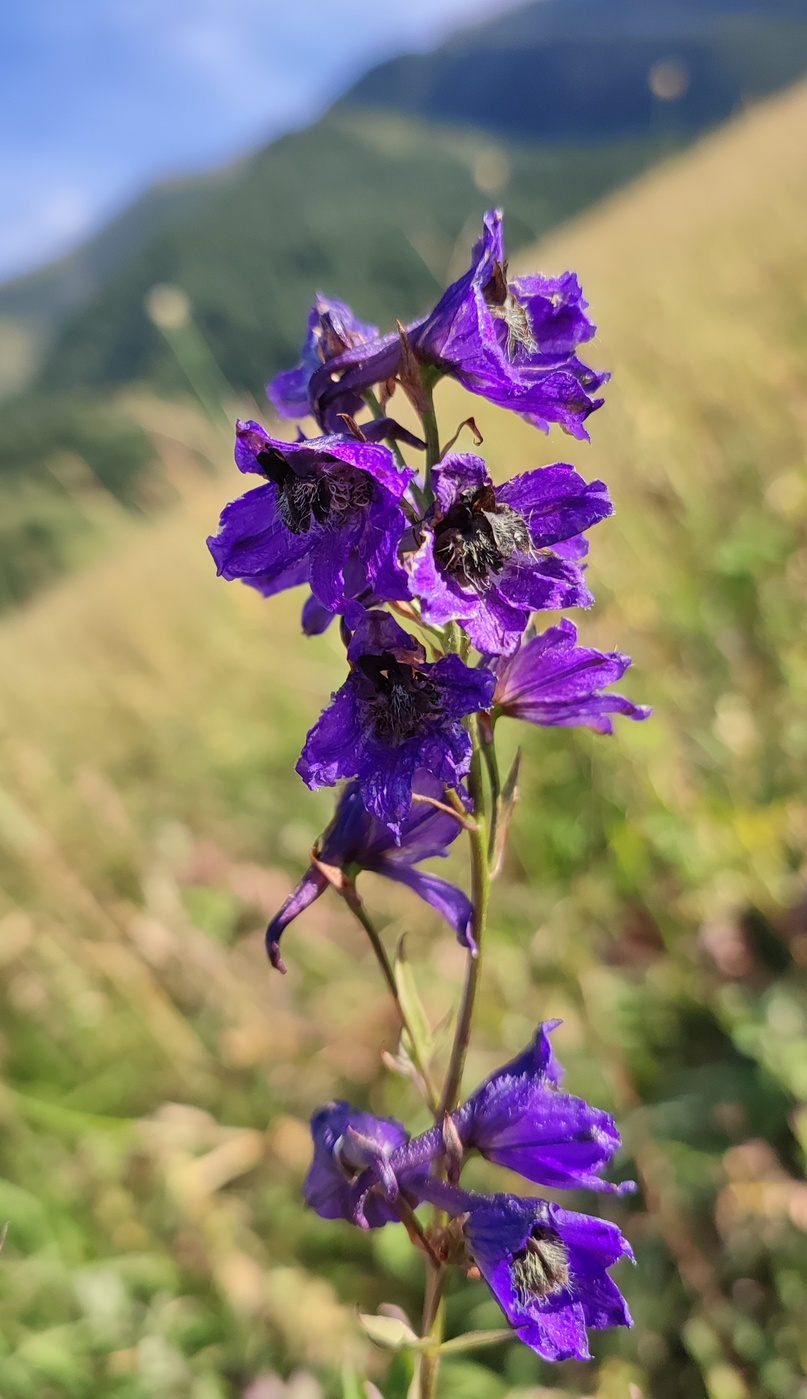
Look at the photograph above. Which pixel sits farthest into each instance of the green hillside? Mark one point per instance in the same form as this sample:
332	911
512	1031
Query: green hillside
379	206
654	895
34	307
590	94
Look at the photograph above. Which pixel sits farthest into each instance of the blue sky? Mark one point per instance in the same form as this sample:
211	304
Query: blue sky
100	97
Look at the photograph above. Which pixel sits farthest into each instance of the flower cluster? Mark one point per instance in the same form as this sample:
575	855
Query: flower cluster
436	572
342	514
546	1266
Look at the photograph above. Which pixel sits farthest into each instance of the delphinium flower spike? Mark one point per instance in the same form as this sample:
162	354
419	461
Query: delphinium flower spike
466	562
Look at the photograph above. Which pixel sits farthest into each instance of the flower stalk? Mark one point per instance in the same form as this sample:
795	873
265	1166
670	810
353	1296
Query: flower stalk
480	897
384	546
417	1051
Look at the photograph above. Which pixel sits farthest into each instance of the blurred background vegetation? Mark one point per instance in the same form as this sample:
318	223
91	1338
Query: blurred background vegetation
157	1076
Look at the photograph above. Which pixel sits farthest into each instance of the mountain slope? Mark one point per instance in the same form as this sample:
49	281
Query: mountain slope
653	899
370	202
583	69
33	307
606	86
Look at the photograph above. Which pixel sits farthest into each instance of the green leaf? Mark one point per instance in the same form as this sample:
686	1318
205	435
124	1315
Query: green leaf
507	804
411	1003
475	1340
351	1384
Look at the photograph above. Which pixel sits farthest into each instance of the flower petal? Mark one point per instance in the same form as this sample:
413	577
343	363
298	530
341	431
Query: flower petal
310	887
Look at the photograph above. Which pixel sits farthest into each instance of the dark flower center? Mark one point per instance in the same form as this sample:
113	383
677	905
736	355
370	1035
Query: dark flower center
504	306
477	536
401	698
321	497
542	1266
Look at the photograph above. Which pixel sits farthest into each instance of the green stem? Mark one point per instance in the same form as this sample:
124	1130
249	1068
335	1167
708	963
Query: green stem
480	893
433	1324
354	903
488	747
378	413
428	417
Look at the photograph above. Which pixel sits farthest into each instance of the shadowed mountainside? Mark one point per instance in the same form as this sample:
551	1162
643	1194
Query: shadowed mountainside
576	69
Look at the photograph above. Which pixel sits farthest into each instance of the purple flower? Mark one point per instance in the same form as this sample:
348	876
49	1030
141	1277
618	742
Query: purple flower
329	514
486	557
551	680
546	1266
514	342
518	1119
395	713
332	329
351	1151
355	840
547	1269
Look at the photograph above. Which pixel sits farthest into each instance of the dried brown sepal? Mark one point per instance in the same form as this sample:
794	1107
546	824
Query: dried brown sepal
352	426
409	375
469	423
334	874
454	1150
449	1245
387	390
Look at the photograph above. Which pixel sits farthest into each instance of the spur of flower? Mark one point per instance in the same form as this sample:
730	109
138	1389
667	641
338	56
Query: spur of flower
330	514
546	1266
356	841
512	340
396	713
551	680
486	557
